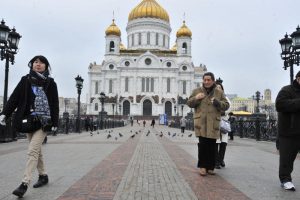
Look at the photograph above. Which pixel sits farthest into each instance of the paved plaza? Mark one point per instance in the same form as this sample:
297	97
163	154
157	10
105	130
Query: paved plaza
145	163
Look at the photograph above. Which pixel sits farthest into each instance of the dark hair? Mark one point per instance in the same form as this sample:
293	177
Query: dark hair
43	59
298	74
209	74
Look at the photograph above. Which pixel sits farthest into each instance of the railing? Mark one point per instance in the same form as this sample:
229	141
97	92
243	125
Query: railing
258	129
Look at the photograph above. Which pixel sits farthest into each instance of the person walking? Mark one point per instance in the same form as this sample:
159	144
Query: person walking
221	143
144	123
153	123
232	121
35	97
288	107
208	103
182	124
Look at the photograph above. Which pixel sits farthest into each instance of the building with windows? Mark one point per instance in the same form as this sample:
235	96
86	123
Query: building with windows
146	78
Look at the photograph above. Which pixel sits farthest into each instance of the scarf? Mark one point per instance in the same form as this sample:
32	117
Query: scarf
39	79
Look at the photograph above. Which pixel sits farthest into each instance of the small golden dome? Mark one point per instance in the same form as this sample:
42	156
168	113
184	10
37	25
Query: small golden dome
113	29
148	9
174	48
184	31
122	47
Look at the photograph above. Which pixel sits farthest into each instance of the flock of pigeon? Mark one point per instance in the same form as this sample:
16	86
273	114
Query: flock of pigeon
133	134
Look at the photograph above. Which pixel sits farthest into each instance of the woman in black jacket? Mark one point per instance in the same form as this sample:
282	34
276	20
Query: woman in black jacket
36	101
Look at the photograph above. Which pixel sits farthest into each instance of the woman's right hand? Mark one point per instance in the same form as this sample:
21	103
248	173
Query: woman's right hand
2	120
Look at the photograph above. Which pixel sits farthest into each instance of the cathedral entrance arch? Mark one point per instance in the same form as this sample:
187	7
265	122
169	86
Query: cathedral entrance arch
147	107
126	108
168	108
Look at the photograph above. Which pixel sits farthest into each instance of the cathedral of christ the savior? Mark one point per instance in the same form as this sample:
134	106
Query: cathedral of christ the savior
148	77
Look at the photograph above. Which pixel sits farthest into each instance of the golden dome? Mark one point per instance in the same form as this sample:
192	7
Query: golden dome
184	31
148	9
113	29
122	47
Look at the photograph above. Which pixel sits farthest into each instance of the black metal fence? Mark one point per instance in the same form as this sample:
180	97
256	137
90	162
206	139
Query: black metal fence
258	129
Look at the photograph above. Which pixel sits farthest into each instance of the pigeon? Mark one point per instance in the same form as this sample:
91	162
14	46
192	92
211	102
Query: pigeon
182	135
120	135
190	135
169	133
136	132
161	135
98	132
130	131
108	136
116	138
147	133
132	136
91	133
174	135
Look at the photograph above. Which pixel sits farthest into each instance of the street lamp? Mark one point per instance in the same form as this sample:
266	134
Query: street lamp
79	85
113	107
257	98
102	99
290	47
9	41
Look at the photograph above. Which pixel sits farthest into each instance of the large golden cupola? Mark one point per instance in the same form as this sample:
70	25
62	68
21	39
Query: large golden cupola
148	9
113	29
184	31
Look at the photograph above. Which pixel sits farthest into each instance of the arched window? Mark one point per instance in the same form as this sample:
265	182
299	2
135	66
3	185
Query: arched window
184	48
168	108
126	107
148	38
96	87
168	84
140	38
183	87
110	86
126	84
111	46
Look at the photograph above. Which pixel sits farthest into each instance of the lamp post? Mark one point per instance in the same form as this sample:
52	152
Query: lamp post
257	97
258	115
113	107
79	85
120	109
9	41
102	99
290	51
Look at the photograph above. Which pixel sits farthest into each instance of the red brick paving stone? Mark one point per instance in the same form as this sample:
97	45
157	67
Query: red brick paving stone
210	187
102	181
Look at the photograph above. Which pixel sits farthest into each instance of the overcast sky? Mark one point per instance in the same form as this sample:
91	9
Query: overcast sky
236	39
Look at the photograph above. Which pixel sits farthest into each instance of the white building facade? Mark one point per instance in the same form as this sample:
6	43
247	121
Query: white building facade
148	77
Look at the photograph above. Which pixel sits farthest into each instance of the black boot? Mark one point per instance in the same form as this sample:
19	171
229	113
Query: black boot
20	191
43	180
222	153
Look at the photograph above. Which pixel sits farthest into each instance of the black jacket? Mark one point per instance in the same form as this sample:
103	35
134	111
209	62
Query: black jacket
288	108
22	99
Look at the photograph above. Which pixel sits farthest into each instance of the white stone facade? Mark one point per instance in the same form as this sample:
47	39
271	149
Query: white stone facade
148	78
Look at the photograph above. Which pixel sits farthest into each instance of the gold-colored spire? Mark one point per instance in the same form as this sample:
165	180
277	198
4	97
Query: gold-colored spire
184	31
148	9
113	29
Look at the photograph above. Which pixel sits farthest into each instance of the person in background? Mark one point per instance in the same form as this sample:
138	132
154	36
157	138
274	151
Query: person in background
232	121
182	124
223	140
208	103
153	123
288	107
36	94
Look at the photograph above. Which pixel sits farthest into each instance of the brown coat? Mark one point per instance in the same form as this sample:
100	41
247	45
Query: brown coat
207	117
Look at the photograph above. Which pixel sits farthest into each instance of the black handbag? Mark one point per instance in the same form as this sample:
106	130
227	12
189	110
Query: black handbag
29	124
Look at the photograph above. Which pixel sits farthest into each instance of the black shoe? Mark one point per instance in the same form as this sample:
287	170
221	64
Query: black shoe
20	191
222	163
43	180
218	167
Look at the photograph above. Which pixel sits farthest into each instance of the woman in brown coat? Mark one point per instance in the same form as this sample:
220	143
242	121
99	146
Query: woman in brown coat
208	102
